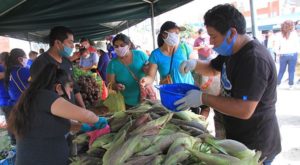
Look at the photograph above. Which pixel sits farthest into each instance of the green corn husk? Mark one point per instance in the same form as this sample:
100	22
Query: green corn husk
222	159
126	151
191	116
177	153
139	109
173	127
154	123
154	115
140	160
124	128
109	154
215	159
254	160
85	160
96	152
144	144
211	141
158	160
101	142
183	115
235	148
81	139
162	143
189	123
230	147
140	120
192	130
166	131
118	120
153	131
158	109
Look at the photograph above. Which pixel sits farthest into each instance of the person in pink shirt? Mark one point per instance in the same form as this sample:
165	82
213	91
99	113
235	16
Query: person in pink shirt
202	45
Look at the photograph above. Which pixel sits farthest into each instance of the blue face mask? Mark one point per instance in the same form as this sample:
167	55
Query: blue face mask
66	52
226	49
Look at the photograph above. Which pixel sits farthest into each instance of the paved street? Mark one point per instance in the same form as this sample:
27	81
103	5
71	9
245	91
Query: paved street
288	113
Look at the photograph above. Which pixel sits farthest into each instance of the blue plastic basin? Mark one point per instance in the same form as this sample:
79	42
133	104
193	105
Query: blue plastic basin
170	93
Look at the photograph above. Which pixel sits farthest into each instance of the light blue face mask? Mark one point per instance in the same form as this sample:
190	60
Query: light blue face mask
226	49
66	52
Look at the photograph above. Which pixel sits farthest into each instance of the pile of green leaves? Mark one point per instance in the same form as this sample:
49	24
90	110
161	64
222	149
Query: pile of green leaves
5	146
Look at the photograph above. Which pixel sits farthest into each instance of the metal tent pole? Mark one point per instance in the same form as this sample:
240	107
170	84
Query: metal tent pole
151	2
253	18
152	25
157	77
29	41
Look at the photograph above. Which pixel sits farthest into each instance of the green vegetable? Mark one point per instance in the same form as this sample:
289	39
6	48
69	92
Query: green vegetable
150	125
81	139
235	148
177	152
126	151
108	157
215	159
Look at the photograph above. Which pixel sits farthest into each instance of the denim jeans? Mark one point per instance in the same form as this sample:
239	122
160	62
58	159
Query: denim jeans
267	162
290	60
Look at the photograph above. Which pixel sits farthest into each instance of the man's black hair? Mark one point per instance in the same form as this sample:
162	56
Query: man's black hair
200	30
59	33
223	17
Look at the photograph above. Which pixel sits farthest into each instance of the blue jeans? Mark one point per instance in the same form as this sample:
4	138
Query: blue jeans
268	162
290	60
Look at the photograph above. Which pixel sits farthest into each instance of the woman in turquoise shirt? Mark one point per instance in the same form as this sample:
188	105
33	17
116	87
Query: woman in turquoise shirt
118	70
160	58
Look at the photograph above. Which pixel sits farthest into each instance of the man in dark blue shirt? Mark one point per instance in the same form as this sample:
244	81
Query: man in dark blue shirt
61	47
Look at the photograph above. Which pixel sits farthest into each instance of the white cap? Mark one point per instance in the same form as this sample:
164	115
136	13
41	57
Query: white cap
101	45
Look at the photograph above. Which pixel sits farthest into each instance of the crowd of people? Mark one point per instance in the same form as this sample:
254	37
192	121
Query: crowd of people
38	107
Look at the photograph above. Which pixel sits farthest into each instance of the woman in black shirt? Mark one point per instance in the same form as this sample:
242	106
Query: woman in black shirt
41	119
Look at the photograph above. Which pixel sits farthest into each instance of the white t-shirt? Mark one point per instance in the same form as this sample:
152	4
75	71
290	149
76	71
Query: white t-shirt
290	45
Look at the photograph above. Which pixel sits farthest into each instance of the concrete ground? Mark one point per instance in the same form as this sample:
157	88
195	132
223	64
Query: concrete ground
288	114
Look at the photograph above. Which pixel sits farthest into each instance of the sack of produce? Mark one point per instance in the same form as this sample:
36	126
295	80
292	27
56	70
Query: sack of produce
114	101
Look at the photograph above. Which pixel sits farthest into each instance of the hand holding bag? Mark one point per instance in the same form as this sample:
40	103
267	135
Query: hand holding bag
168	78
115	100
146	92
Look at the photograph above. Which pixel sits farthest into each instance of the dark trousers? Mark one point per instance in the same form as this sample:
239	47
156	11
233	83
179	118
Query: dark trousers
267	162
7	111
290	60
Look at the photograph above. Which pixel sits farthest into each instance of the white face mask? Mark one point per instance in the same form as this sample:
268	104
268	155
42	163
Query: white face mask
121	51
87	56
24	62
172	39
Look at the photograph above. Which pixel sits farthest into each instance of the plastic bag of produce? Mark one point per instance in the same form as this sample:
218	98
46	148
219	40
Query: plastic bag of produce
210	85
97	133
104	91
115	100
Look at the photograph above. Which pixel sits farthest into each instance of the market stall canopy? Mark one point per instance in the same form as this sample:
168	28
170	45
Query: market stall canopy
32	19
